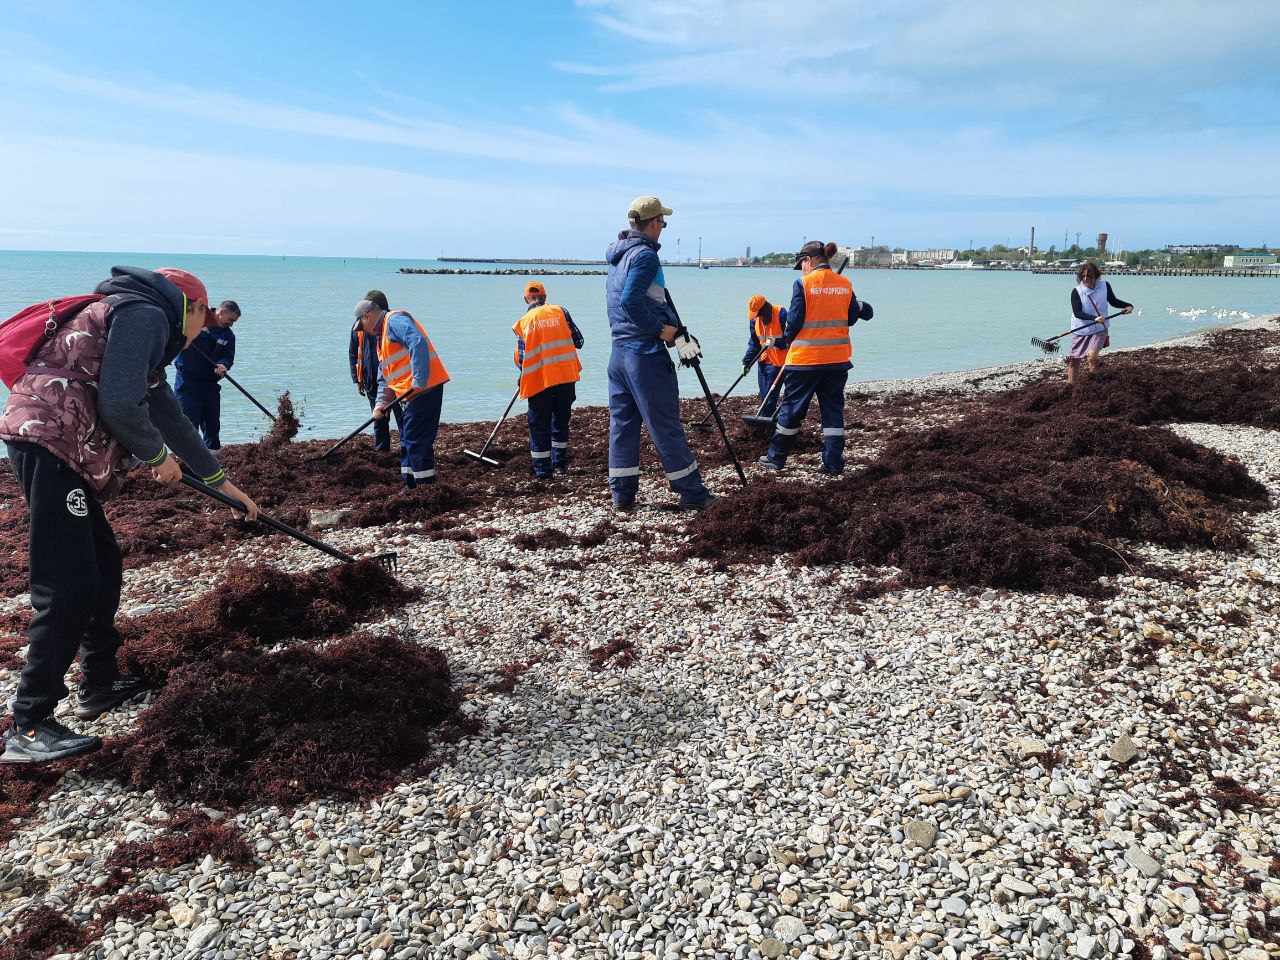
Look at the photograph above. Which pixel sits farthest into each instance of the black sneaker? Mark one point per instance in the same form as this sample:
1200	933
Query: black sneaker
93	702
44	741
624	506
768	464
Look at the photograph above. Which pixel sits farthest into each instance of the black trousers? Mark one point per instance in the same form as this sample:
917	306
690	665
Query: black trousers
76	573
382	428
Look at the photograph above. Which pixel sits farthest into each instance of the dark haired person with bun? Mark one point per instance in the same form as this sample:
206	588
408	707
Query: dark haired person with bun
823	308
1089	332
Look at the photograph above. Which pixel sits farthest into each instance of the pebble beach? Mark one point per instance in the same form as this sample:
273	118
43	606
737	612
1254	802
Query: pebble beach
675	759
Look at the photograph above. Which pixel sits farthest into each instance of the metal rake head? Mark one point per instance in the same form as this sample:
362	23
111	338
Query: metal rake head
1048	346
389	562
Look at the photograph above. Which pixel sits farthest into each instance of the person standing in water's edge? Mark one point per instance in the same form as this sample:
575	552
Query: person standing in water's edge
642	378
92	399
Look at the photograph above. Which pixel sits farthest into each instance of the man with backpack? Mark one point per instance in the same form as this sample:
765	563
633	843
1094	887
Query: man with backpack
89	396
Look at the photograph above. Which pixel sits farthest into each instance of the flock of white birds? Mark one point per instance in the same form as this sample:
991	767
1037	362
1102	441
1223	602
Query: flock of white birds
1218	313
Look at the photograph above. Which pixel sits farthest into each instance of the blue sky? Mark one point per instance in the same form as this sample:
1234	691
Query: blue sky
401	129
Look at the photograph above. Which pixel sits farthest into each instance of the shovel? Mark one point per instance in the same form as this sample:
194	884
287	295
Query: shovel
1050	346
480	457
388	561
231	380
356	432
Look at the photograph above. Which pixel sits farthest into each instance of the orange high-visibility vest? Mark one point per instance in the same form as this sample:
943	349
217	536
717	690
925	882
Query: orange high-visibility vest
824	338
771	327
550	358
394	362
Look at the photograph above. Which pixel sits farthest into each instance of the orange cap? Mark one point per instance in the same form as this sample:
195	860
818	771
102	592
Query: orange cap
754	304
534	289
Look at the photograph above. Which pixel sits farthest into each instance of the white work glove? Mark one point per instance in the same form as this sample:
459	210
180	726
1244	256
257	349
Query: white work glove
687	346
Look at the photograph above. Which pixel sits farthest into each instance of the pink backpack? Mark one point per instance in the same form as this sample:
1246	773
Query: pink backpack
22	335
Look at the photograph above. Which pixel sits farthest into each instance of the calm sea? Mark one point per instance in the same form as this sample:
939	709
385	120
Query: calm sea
297	315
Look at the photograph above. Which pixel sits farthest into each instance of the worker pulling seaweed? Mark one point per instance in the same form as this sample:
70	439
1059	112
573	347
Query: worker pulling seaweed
642	379
199	367
410	369
547	345
823	308
767	342
362	356
89	396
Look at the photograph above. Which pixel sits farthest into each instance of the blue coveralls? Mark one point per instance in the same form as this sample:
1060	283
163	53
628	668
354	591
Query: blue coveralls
642	378
420	416
766	373
826	381
549	414
364	371
196	385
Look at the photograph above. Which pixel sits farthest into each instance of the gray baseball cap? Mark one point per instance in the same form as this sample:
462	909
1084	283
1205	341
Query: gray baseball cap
364	306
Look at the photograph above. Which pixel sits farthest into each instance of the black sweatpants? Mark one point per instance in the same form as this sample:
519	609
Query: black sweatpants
76	573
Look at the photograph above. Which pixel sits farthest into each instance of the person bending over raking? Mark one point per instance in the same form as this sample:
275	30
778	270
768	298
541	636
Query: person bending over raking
408	368
547	345
92	399
765	323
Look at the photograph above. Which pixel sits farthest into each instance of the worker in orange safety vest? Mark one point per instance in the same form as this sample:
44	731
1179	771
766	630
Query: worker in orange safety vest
547	345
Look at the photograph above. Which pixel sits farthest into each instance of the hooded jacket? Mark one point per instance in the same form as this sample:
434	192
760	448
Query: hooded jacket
105	400
635	293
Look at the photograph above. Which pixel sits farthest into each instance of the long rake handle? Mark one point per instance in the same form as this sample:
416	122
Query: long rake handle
360	429
271	522
1110	316
706	389
774	386
725	396
232	380
494	432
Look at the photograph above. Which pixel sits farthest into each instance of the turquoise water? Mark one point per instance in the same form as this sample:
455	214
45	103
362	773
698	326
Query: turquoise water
297	314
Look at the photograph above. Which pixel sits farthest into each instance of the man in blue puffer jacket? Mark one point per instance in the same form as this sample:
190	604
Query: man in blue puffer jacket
642	377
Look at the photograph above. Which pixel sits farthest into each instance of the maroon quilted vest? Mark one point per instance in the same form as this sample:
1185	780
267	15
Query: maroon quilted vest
55	403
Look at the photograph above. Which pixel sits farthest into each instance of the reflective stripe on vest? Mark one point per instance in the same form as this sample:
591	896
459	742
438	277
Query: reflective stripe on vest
827	296
550	357
395	362
776	356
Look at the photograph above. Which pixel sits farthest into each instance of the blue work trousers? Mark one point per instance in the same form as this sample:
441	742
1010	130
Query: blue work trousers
549	413
419	424
766	373
201	401
643	389
801	386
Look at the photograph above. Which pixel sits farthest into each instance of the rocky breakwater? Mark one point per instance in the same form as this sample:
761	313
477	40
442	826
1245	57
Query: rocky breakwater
502	272
737	755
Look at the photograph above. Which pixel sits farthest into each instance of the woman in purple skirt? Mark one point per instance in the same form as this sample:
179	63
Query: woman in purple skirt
1089	301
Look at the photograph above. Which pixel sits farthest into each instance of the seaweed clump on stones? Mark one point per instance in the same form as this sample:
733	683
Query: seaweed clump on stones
41	932
132	907
188	838
292	725
425	502
256	606
1023	502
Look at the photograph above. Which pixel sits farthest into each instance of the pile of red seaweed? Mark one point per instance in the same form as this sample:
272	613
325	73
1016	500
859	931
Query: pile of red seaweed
1024	502
41	932
254	607
288	726
286	425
